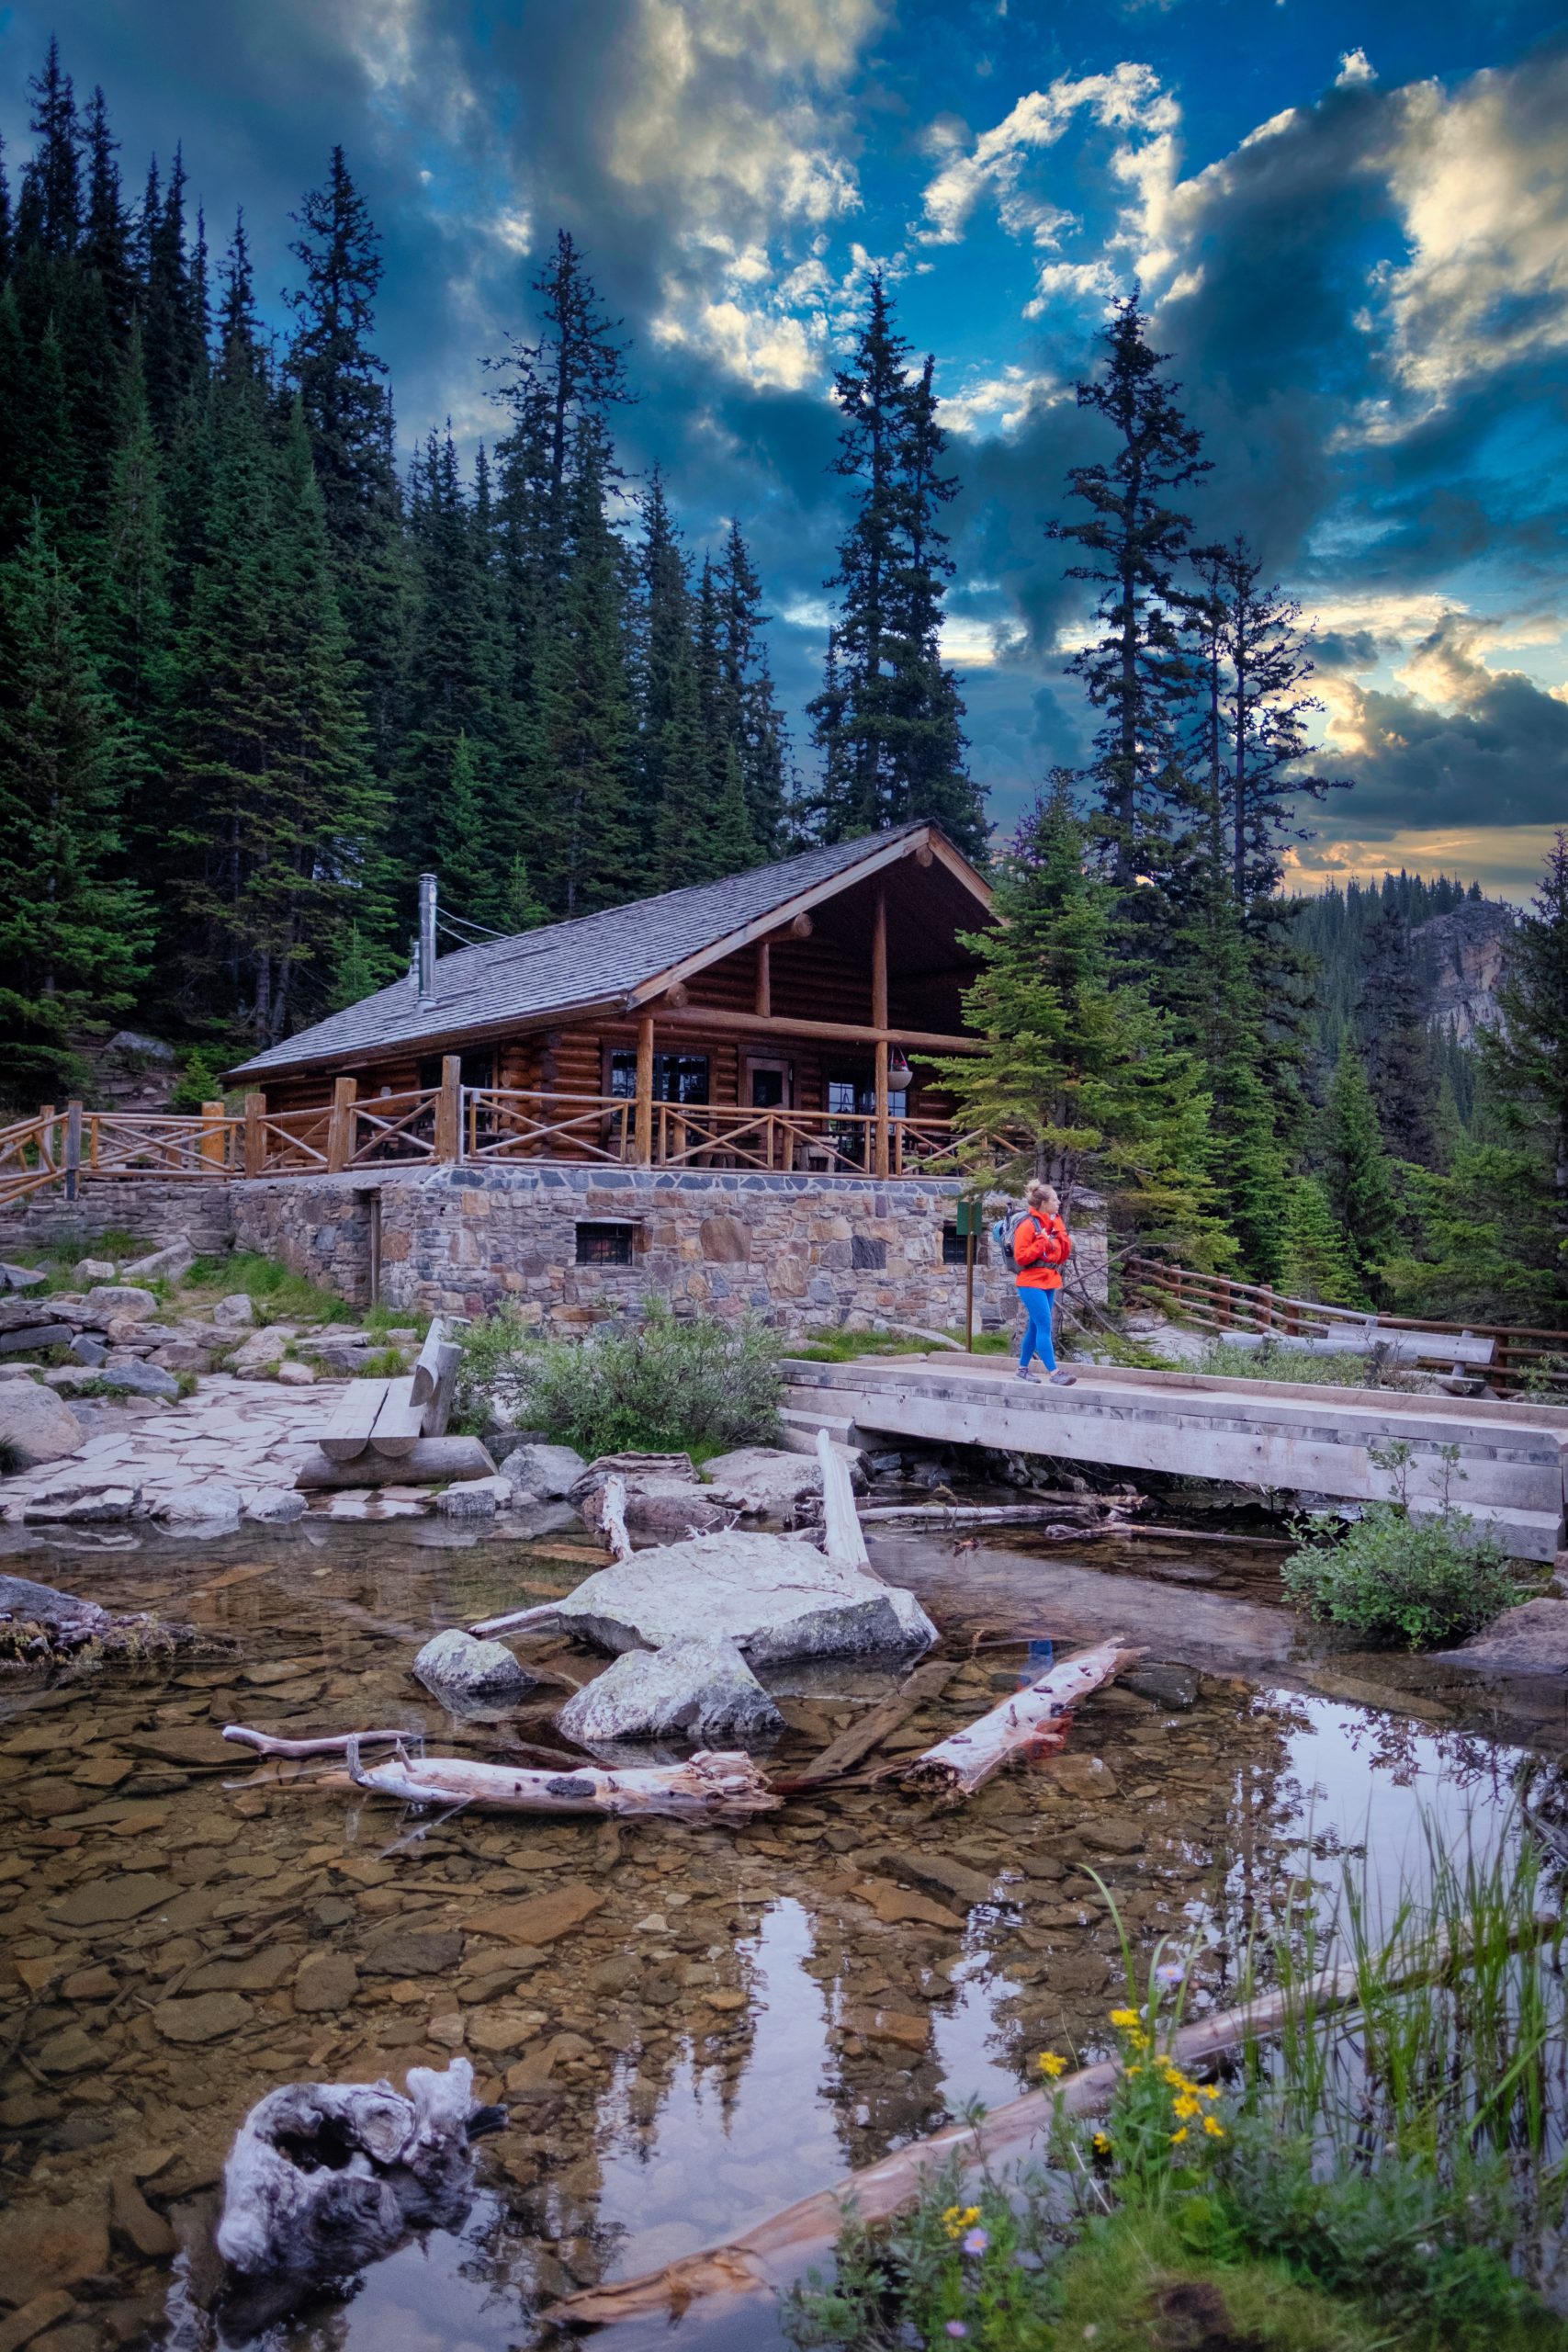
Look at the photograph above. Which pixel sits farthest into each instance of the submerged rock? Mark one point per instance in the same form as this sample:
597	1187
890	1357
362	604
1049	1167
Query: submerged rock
475	1497
702	1689
457	1666
774	1598
764	1482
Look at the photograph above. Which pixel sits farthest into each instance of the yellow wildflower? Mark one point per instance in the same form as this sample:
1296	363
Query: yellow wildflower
1051	2062
1213	2127
1177	2137
1185	2107
1103	2143
959	2218
1124	2016
1208	2090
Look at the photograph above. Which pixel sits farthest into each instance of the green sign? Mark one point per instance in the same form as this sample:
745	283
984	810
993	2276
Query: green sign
971	1216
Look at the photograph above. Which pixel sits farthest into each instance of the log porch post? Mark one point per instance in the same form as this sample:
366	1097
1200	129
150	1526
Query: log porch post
643	1136
340	1126
450	1109
256	1133
879	1023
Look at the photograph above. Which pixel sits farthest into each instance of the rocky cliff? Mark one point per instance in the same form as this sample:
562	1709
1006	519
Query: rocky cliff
1463	955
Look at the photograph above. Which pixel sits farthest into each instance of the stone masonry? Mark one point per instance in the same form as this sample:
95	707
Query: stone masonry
154	1211
801	1251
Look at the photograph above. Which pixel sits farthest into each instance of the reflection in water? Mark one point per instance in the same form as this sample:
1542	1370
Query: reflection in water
748	2011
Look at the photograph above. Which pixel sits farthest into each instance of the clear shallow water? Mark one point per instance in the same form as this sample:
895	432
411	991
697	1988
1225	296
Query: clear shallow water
734	2027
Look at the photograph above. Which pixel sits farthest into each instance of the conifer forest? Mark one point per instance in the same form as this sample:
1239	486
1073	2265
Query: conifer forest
269	651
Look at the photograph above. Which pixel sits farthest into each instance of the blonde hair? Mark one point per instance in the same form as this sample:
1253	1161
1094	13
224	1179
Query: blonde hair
1040	1195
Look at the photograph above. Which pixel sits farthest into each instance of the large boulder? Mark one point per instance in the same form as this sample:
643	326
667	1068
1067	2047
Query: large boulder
259	1356
36	1424
456	1667
543	1474
137	1379
772	1596
94	1269
236	1312
1530	1639
703	1690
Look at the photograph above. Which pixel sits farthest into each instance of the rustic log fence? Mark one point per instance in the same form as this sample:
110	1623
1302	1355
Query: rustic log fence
1512	1357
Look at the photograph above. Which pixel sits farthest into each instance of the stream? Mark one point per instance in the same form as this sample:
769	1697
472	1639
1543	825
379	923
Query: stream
690	2027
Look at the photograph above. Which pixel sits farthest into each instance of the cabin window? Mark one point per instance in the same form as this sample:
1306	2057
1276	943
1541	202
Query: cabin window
955	1247
677	1077
605	1245
858	1096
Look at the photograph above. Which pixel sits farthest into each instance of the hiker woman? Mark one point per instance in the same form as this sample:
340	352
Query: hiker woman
1041	1247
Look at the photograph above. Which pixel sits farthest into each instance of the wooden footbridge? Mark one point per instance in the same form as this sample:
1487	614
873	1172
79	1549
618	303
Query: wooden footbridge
1276	1437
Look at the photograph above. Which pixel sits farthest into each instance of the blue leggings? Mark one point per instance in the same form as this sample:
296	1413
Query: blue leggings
1039	1305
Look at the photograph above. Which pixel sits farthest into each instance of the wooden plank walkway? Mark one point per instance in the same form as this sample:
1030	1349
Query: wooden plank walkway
1276	1435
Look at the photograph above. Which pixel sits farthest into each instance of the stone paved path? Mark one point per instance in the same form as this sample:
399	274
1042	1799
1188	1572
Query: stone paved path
246	1437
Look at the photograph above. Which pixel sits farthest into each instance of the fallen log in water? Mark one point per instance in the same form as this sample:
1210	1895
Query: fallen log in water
878	1723
707	1783
267	1743
1093	1515
770	2257
1029	1720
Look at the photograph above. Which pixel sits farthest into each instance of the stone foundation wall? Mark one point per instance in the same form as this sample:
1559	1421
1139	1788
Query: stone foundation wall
153	1213
801	1250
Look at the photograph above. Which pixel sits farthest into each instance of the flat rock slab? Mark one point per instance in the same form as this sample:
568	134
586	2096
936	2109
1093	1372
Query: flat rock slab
543	1474
54	2247
108	1902
773	1597
414	1951
764	1482
1532	1639
539	1918
210	2016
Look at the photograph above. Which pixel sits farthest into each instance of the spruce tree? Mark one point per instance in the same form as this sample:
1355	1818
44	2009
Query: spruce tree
49	214
753	722
73	937
175	323
105	240
1134	543
1314	1261
1076	1056
587	853
1394	1041
1524	1061
665	659
1358	1174
473	879
134	618
888	723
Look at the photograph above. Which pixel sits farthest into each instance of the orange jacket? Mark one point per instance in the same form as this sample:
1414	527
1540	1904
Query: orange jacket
1041	1246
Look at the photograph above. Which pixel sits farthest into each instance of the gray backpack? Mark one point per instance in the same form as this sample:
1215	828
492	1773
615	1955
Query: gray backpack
1002	1234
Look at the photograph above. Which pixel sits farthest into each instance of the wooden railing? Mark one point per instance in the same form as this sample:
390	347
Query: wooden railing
1510	1357
484	1124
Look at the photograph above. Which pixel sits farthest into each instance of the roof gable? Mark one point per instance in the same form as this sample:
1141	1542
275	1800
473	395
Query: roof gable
620	957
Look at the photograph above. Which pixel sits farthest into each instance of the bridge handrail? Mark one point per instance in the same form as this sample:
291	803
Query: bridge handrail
1226	1302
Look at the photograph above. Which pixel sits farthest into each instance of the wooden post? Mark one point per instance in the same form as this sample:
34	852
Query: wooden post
969	1283
644	1139
450	1109
72	1147
211	1145
340	1126
879	1022
46	1152
764	982
255	1135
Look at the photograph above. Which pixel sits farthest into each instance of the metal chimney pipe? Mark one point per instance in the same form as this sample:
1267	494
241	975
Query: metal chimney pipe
426	965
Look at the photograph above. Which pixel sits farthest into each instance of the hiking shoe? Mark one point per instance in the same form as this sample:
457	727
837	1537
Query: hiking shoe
1063	1380
1023	1372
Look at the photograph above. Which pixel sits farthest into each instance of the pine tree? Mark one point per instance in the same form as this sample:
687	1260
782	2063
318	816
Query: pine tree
1134	544
1395	1044
753	722
105	242
72	938
473	882
357	970
1357	1171
7	229
888	724
584	734
1315	1261
1078	1058
50	215
1525	1057
666	657
174	323
134	618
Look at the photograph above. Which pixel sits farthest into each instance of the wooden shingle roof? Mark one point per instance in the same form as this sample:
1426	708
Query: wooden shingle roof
602	961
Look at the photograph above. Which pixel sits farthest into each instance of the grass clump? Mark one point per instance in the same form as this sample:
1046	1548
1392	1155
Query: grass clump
662	1385
382	1363
278	1295
1222	1360
1397	1581
1384	2176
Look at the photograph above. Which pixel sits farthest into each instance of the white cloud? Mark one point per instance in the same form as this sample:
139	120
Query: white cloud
997	403
1129	100
770	351
1353	68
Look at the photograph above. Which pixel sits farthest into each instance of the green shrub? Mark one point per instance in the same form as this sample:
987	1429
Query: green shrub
1396	1580
1222	1360
662	1385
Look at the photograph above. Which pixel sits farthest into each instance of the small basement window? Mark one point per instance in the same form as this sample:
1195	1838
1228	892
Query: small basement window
605	1245
955	1247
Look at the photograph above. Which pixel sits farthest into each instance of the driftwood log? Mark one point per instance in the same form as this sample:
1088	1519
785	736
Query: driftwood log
877	1724
705	1784
426	1461
1030	1722
775	2253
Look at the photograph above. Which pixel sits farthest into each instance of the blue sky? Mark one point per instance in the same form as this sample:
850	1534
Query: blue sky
1351	224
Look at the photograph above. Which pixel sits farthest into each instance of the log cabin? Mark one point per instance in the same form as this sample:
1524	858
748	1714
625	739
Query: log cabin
791	1018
